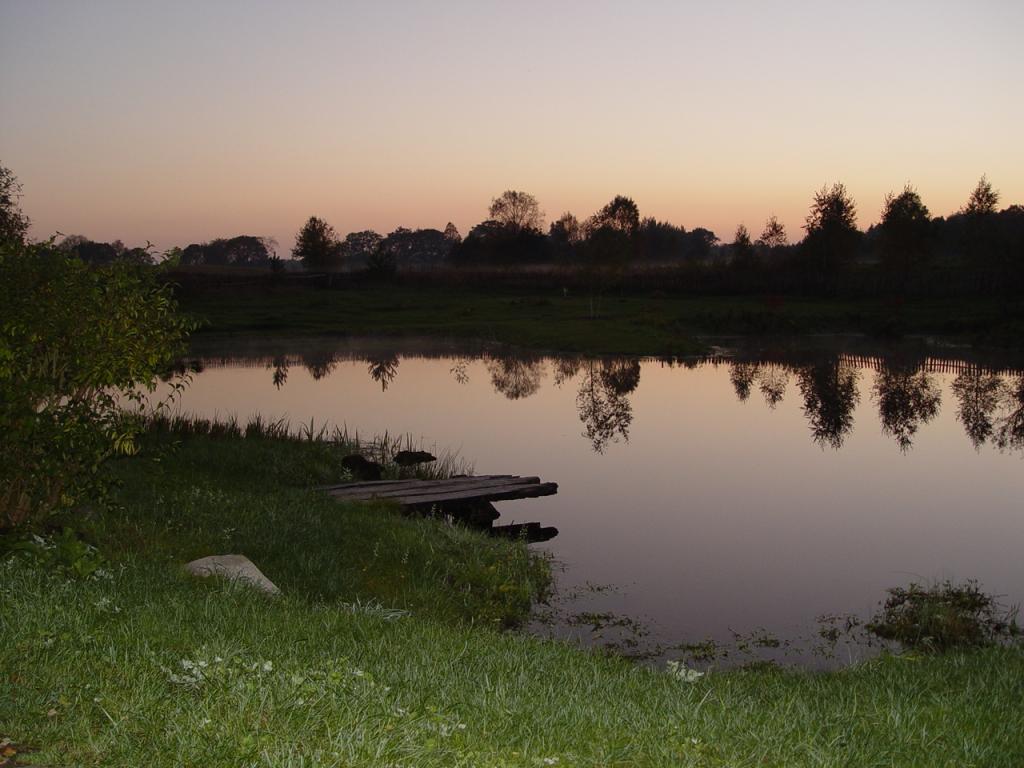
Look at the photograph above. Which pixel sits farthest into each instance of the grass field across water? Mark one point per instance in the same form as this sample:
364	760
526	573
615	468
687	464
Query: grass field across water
619	324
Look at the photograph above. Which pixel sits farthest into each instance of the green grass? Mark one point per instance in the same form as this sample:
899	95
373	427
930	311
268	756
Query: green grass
141	665
547	320
254	496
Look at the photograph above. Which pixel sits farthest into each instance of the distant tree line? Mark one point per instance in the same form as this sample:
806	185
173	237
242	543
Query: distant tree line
978	249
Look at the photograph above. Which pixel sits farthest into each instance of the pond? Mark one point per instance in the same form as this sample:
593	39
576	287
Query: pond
750	491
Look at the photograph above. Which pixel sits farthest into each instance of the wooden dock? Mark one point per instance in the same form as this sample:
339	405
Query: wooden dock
454	490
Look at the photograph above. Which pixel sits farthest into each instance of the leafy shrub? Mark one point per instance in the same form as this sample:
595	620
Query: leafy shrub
943	616
77	343
65	553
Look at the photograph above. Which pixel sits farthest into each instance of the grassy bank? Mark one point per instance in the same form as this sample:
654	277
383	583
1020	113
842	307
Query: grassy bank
546	319
140	665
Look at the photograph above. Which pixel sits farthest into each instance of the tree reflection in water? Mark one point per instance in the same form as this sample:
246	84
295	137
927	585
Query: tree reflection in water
906	399
280	366
565	369
383	370
1009	433
516	377
772	380
978	394
989	404
460	370
742	377
830	394
320	363
602	401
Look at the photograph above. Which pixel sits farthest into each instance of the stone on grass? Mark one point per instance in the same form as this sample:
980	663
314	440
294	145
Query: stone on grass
235	568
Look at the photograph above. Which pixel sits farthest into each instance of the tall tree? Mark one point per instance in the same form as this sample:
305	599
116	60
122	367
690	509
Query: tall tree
13	223
358	248
979	236
983	199
832	233
774	233
621	214
905	229
451	233
743	256
317	245
517	211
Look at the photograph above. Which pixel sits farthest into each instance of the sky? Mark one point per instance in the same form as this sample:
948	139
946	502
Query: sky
182	122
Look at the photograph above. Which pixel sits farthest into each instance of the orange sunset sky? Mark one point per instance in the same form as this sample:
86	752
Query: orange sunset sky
181	122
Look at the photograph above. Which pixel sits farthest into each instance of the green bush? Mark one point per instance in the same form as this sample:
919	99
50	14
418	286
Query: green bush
77	345
943	616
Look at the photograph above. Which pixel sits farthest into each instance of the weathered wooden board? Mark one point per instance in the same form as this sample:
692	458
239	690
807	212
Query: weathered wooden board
415	493
384	487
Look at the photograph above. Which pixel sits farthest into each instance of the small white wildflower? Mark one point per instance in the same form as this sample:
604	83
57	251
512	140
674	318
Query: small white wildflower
549	761
217	659
268	666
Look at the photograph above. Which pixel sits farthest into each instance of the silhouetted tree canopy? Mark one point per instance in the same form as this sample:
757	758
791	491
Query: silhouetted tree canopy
621	214
317	246
451	233
742	251
774	234
492	243
99	254
905	231
983	199
13	223
564	235
517	212
832	234
406	248
240	251
358	248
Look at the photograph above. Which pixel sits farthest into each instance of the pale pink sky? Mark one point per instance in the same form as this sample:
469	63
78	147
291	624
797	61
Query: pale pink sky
181	122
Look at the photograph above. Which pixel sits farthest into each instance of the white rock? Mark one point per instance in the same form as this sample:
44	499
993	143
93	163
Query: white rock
234	567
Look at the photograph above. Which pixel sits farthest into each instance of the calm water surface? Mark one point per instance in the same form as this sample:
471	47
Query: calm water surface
758	488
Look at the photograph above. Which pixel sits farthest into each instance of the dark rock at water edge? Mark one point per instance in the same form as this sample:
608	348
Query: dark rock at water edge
411	458
362	468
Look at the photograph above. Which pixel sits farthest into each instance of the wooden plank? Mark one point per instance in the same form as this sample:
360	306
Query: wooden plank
414	488
420	493
379	486
411	483
498	493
